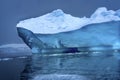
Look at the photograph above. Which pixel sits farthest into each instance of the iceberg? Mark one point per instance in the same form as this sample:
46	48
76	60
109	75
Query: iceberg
60	32
9	51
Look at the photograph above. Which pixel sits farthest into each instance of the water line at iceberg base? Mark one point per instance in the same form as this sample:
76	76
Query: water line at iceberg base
76	50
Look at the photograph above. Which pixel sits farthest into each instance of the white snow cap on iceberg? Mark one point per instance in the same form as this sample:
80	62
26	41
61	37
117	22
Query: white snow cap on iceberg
58	21
104	15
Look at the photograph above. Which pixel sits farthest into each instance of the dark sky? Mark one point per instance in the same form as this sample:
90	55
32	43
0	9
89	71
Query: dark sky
12	11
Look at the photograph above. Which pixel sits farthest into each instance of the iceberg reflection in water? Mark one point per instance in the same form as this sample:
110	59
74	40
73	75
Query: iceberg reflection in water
104	65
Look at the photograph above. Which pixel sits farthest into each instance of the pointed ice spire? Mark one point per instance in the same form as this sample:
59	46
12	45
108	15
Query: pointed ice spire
98	12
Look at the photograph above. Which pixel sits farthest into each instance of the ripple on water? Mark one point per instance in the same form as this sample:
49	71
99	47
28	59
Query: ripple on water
59	77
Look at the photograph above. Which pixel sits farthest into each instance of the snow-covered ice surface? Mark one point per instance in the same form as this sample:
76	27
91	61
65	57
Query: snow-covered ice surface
54	22
58	21
104	15
14	50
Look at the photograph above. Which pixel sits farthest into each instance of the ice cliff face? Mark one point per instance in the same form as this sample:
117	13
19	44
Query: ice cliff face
58	21
90	37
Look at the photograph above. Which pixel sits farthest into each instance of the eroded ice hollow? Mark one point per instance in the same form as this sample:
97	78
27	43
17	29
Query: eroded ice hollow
61	32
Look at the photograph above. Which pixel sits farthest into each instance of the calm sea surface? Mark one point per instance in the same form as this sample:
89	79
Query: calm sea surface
73	66
63	66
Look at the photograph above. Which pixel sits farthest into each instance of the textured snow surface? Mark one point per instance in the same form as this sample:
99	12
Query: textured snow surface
58	21
104	15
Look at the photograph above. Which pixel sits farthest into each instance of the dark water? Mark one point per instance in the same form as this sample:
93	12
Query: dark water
11	68
71	66
74	66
